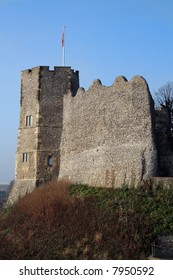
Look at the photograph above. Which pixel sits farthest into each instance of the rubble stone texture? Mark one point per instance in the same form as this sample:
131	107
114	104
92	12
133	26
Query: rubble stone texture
108	134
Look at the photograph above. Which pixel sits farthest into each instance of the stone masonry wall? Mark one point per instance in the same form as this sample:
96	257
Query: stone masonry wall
102	137
53	86
164	143
107	136
42	92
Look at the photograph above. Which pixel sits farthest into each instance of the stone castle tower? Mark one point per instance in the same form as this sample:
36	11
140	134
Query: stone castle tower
105	136
39	134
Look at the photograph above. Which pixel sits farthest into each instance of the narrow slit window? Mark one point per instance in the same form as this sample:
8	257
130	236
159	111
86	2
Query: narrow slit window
49	160
25	157
28	120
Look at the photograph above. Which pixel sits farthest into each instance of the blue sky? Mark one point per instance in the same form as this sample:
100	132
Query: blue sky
104	39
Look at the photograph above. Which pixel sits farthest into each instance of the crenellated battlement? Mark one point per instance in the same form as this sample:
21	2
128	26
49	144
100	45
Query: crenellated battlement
47	68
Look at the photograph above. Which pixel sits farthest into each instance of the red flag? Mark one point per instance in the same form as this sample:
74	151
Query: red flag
63	39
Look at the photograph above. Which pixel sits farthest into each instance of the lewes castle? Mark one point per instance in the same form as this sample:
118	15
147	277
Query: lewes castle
105	136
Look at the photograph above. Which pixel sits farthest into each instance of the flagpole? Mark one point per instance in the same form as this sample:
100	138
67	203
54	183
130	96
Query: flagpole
63	47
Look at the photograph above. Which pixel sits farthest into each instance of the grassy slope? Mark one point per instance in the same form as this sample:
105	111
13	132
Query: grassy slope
60	221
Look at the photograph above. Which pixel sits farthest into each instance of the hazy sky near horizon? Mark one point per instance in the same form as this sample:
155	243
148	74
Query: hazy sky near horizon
103	39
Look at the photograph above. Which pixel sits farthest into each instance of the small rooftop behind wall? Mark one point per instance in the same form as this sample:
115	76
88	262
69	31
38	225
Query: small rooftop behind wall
108	134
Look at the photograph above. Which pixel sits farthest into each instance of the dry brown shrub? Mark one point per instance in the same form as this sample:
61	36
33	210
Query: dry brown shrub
51	224
44	201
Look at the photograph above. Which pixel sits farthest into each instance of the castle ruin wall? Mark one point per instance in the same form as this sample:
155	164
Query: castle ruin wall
108	135
104	136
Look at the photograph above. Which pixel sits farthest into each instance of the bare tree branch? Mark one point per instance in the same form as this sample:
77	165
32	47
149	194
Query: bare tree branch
164	96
